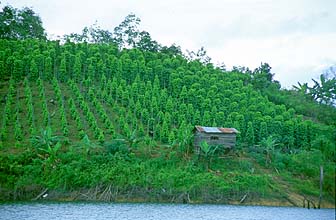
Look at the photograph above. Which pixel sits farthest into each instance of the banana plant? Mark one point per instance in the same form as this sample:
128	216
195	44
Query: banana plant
87	145
47	147
269	145
207	152
132	139
45	140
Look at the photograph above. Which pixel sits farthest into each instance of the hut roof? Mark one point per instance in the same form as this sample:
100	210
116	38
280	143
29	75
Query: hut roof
216	130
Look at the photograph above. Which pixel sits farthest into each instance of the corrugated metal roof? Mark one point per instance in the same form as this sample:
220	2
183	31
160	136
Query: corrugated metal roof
211	130
216	130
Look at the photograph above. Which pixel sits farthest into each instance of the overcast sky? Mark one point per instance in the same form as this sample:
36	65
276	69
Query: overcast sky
296	37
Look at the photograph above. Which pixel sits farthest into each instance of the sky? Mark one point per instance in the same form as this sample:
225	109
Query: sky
297	38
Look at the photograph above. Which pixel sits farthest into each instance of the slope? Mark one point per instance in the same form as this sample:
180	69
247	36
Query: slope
123	121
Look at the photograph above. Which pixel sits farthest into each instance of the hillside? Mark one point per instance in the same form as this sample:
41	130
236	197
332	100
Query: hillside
94	122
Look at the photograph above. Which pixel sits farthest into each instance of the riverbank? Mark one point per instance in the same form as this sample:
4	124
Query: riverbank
111	194
102	177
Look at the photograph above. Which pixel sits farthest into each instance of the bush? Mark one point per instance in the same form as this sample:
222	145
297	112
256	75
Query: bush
115	146
306	163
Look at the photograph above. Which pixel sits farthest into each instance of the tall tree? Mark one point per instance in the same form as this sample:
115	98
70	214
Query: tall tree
20	24
200	55
146	42
262	76
91	34
127	32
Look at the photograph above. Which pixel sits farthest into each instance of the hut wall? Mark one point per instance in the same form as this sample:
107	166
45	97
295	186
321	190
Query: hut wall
225	140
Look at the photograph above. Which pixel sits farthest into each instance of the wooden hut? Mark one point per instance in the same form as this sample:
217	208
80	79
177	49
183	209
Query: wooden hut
224	137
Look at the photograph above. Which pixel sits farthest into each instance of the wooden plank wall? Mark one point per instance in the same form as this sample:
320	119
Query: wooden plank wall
226	140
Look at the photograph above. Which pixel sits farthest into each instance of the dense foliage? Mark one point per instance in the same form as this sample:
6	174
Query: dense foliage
92	113
163	92
20	24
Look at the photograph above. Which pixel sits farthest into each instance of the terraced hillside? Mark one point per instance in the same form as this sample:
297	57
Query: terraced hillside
117	124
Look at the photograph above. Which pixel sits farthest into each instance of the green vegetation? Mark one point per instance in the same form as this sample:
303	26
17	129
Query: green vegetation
89	116
20	24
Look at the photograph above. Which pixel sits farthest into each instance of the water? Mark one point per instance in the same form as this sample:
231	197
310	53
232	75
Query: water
126	211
